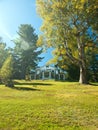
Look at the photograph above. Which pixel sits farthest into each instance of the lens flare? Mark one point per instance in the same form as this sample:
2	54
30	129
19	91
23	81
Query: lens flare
3	31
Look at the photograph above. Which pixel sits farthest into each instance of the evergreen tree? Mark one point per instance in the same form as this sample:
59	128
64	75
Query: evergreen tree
26	52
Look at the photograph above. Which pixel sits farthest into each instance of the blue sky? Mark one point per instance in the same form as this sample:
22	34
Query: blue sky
16	12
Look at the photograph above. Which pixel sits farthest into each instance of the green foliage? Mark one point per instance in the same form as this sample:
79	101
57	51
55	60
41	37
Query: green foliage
93	68
73	72
6	72
71	69
48	105
93	11
3	52
26	53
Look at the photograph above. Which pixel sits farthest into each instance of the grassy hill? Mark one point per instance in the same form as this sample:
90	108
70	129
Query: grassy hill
49	105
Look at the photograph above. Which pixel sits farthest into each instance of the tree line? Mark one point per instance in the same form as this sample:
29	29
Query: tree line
70	27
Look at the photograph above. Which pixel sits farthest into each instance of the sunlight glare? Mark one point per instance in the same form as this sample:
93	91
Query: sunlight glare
3	30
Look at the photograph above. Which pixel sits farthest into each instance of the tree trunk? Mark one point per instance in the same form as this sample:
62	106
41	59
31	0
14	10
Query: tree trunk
83	76
82	59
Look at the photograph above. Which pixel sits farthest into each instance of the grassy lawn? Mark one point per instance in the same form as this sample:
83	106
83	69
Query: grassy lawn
49	105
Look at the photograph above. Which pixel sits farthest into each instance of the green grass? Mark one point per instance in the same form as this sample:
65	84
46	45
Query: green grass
49	105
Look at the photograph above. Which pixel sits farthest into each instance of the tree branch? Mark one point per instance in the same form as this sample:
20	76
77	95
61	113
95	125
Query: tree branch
69	54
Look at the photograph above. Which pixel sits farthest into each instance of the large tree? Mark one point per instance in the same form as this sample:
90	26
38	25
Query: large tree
67	26
26	53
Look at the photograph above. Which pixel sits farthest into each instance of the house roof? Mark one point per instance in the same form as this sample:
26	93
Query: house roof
45	68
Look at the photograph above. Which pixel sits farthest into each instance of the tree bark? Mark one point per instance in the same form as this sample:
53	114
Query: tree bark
82	61
83	76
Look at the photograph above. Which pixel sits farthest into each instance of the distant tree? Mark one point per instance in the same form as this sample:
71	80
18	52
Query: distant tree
3	52
71	69
6	72
65	64
26	52
93	68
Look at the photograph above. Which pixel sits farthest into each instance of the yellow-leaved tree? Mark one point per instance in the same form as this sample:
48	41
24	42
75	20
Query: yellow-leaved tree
6	72
68	26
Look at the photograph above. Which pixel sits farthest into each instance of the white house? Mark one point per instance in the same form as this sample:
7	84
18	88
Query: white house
48	72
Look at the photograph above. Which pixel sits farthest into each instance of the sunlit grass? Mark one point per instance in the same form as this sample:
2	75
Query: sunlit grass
49	105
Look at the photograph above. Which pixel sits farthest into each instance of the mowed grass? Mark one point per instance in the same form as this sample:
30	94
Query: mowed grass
49	105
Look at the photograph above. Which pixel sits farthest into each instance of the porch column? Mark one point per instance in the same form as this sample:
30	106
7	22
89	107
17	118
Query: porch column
63	76
59	76
30	76
49	74
43	75
35	76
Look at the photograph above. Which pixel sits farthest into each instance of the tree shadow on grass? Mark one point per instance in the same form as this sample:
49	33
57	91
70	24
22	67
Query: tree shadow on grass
94	84
26	89
33	84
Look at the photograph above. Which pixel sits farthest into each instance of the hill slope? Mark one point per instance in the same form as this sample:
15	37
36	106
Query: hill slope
49	105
